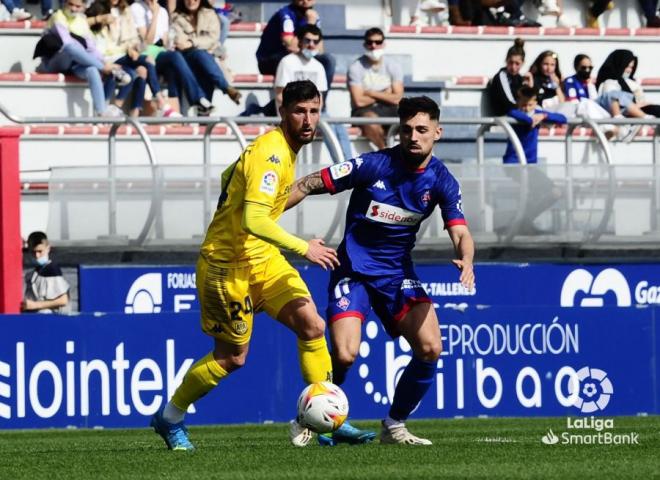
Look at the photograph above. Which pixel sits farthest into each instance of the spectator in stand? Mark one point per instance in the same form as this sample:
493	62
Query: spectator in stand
580	91
505	84
16	12
460	12
596	10
153	25
543	193
375	84
650	9
46	290
196	30
489	12
278	39
226	14
618	91
304	66
118	39
68	46
546	79
418	9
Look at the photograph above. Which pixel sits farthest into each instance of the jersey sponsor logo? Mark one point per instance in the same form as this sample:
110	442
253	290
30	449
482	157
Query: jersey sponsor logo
459	204
274	159
384	213
380	185
358	162
594	289
341	170
269	183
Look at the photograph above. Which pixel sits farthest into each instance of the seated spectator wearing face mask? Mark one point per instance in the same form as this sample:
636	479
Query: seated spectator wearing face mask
46	290
580	91
376	86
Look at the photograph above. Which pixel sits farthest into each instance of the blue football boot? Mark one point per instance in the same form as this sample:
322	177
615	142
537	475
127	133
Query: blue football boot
174	434
347	433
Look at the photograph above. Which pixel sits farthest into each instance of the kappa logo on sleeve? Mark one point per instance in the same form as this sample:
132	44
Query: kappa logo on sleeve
341	170
269	183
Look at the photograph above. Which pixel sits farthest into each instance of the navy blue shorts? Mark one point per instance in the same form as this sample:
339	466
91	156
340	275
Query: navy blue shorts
351	294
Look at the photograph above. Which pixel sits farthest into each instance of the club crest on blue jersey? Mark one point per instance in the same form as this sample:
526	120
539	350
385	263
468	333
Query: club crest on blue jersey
426	198
343	303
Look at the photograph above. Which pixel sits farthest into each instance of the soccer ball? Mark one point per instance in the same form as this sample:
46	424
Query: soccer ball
322	407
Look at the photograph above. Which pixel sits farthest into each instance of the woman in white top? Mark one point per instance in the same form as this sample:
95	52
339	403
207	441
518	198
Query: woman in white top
619	93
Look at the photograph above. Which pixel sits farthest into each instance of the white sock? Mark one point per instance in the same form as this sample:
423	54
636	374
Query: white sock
173	414
389	422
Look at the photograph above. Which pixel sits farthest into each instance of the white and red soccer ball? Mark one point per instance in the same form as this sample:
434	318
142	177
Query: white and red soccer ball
322	407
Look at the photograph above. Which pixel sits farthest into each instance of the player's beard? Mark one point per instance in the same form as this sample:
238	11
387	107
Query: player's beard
413	159
300	138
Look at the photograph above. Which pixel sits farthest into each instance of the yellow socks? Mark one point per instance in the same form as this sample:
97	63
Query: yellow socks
315	360
206	373
202	377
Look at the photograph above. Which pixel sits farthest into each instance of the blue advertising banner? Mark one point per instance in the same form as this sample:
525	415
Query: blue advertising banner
114	370
157	289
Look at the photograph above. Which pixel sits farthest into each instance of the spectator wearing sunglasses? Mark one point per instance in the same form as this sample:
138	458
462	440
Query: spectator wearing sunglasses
376	86
580	91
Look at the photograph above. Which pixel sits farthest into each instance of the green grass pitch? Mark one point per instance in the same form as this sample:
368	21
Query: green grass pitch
490	448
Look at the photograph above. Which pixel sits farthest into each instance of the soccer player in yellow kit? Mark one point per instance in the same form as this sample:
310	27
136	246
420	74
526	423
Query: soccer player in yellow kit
241	271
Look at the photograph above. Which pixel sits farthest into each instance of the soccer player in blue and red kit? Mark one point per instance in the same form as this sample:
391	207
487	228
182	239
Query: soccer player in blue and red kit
394	190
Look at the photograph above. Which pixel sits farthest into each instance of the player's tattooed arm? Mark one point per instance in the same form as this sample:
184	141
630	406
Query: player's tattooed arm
312	184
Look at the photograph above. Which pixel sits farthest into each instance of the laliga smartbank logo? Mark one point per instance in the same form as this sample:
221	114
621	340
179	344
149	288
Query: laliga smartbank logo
591	390
119	385
593	290
590	431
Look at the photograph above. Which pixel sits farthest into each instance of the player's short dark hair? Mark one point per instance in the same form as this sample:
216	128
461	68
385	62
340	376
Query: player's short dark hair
527	92
411	106
36	238
308	28
373	31
299	91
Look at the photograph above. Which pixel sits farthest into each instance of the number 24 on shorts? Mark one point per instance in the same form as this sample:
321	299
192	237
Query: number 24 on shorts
237	308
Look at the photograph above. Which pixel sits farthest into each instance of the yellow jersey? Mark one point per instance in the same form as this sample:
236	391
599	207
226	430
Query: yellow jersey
263	174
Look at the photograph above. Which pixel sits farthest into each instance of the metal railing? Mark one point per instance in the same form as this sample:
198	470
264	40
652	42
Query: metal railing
233	123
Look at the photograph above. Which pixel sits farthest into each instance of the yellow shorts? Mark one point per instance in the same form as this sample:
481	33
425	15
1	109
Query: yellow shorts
230	297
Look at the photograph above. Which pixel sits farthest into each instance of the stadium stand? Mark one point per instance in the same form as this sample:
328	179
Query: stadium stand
456	76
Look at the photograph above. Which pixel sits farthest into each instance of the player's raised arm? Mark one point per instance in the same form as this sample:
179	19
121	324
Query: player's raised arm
312	184
464	246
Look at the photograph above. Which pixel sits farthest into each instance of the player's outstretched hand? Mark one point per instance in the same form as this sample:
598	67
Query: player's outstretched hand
467	273
321	255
